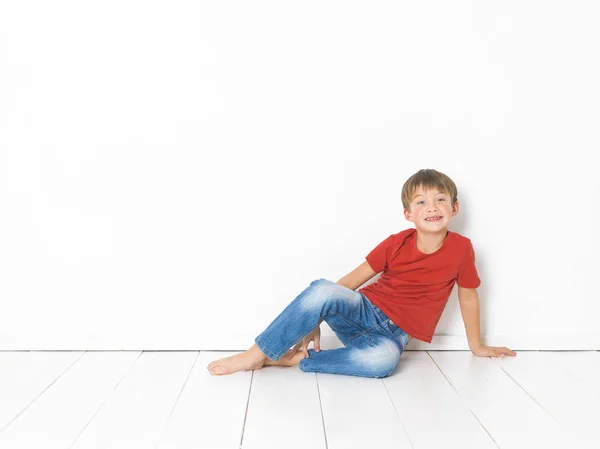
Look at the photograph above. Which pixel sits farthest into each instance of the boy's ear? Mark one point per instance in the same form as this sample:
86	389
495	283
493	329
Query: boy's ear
455	208
408	214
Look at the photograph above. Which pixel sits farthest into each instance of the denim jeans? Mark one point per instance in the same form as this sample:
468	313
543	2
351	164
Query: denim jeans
372	343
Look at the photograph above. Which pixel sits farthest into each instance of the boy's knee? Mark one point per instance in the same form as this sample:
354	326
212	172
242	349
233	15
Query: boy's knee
319	282
316	294
388	371
384	371
327	296
322	288
381	361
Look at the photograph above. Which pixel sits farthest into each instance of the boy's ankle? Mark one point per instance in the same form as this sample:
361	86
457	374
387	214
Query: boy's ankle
255	349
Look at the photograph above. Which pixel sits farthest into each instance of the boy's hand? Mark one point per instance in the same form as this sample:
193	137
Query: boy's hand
492	351
315	336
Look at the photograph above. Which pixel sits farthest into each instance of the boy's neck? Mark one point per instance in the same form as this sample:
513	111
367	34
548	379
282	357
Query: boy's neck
430	243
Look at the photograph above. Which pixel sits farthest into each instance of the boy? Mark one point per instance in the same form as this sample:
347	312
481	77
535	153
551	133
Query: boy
420	267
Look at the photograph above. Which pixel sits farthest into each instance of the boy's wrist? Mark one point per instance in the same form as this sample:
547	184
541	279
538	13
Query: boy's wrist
474	346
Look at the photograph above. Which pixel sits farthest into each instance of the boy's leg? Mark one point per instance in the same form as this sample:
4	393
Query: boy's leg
344	309
369	355
298	319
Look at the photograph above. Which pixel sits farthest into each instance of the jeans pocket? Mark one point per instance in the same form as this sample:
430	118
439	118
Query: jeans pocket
346	329
398	332
394	329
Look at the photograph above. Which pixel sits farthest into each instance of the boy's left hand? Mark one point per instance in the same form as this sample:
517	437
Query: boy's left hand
492	351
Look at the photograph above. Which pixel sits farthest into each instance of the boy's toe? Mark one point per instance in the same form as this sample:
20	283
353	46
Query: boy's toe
214	368
217	370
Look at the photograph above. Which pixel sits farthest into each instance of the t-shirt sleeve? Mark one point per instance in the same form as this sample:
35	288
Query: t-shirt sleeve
467	272
378	258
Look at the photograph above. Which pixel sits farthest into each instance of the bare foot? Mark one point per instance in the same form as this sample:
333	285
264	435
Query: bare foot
252	359
248	360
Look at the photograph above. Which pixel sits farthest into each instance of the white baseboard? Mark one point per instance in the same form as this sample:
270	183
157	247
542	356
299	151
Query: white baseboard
569	342
573	342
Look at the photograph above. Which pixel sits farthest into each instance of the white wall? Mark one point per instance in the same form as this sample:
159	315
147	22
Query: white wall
172	174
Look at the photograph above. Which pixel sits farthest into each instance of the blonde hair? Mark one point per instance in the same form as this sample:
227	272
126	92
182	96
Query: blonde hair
428	178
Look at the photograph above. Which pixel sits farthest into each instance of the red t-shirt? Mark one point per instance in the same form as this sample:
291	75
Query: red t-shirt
414	287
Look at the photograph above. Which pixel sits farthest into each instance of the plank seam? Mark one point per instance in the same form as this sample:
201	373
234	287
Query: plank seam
43	391
178	397
534	400
321	407
246	412
398	414
105	400
463	401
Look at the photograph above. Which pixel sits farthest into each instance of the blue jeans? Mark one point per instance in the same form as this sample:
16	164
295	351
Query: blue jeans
373	343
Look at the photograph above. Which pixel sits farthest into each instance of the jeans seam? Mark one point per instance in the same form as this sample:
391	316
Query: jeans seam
349	321
266	350
374	326
396	330
370	337
392	336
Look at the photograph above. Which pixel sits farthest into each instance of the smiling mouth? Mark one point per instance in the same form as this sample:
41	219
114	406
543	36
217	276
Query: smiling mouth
433	219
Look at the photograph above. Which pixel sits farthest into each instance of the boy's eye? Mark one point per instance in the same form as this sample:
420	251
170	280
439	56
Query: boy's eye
439	199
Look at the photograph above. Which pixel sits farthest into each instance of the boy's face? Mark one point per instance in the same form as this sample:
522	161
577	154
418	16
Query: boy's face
431	203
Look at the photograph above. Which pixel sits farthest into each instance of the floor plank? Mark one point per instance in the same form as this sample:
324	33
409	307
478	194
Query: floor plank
137	410
510	415
211	410
358	413
284	411
25	375
433	413
570	402
167	399
583	365
77	394
512	418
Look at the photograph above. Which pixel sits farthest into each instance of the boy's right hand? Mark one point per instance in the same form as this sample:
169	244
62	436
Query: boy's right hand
302	345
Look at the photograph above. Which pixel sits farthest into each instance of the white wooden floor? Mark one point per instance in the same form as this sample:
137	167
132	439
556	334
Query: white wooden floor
435	399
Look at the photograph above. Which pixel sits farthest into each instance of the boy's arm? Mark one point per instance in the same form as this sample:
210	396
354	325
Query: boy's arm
358	276
469	308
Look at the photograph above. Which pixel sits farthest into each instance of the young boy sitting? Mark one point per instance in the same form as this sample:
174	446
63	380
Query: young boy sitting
419	269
